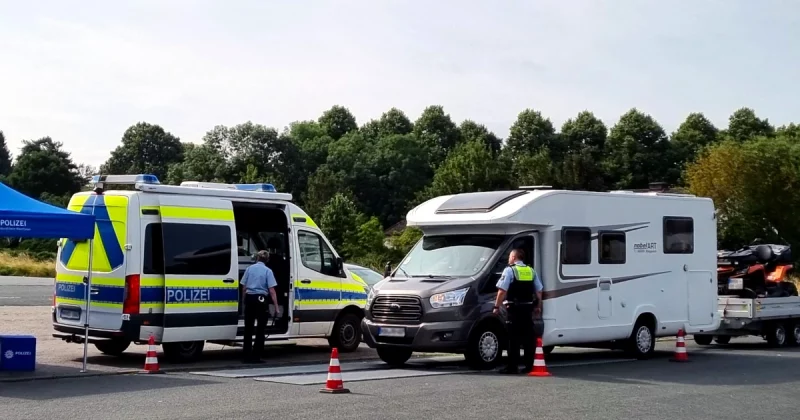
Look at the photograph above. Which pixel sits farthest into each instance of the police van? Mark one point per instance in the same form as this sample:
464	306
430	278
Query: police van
166	261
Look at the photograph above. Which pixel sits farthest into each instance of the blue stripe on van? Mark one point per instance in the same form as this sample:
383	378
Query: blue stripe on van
77	291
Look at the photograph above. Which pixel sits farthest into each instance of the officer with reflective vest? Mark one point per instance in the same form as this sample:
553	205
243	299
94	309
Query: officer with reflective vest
521	288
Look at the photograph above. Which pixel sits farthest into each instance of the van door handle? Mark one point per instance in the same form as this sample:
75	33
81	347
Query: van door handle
305	281
228	280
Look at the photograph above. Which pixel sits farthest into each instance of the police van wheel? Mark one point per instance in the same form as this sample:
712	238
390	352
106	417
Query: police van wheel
113	347
183	352
346	334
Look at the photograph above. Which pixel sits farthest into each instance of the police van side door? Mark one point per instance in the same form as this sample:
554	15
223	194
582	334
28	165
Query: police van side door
318	285
201	289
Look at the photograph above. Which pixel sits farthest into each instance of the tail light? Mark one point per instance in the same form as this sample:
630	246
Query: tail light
130	304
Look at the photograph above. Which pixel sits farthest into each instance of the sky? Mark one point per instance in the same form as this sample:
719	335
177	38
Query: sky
82	72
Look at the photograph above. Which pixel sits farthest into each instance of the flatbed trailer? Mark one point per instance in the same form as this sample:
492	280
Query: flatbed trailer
776	319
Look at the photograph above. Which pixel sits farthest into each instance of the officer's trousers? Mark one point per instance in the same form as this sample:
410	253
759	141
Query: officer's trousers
521	333
255	310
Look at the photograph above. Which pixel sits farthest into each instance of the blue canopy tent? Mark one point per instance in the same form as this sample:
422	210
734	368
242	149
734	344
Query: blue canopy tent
24	217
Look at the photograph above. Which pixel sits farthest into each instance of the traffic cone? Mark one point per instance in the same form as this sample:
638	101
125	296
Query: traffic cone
680	348
539	368
151	360
334	385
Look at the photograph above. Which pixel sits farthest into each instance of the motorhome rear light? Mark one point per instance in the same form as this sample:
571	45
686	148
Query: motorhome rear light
130	303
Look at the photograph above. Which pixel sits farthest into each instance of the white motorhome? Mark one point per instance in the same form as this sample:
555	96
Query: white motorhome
618	268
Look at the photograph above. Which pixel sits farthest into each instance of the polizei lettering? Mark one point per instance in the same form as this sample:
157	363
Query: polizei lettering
67	288
15	223
188	295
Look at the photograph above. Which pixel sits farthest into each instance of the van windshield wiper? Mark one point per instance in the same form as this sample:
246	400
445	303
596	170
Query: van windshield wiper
432	276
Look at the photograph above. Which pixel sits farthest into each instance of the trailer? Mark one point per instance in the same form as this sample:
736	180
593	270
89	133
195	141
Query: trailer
776	319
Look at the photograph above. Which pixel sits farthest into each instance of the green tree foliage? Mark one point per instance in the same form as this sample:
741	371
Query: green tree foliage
338	121
339	220
472	131
694	134
469	168
5	157
393	121
145	149
530	133
44	167
744	125
438	132
638	151
584	142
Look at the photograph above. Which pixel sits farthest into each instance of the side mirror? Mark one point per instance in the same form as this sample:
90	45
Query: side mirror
388	270
340	264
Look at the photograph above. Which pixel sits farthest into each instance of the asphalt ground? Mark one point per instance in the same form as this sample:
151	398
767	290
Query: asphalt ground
743	380
26	291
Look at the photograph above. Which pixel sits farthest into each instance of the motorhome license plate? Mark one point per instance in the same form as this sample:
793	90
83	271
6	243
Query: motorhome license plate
70	313
391	332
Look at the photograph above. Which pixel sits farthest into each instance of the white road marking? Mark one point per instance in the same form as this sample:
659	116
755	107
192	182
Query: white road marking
589	362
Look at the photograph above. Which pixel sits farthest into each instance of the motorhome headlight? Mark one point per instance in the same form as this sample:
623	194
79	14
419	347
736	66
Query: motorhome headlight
448	299
370	297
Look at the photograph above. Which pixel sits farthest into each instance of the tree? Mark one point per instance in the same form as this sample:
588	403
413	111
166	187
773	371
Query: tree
532	168
393	121
145	149
791	131
743	125
5	156
470	168
472	131
339	220
530	133
368	238
438	132
638	151
44	167
584	142
694	134
202	163
338	121
584	132
323	185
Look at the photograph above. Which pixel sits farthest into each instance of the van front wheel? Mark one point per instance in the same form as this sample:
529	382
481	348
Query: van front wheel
346	334
484	348
394	357
183	352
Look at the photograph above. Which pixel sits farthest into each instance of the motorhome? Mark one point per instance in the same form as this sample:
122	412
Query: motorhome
619	269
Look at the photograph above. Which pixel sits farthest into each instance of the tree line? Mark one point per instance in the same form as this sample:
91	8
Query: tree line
357	181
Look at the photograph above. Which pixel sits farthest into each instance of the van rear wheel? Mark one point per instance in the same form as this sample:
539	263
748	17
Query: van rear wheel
113	347
183	352
642	342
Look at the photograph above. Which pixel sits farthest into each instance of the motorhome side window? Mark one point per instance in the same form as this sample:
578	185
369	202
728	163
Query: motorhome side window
187	249
611	247
678	235
576	246
315	253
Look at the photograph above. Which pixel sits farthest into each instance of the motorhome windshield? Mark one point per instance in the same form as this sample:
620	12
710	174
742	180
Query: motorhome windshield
449	255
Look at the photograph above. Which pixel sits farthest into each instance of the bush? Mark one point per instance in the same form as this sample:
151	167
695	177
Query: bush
22	264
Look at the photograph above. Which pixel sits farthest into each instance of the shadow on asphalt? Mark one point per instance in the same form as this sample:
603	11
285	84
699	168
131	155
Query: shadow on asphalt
79	387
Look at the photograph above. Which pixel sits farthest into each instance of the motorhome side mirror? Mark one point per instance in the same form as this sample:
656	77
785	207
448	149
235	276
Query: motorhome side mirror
388	270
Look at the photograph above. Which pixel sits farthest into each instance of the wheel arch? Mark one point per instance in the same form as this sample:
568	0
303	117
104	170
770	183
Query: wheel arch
349	309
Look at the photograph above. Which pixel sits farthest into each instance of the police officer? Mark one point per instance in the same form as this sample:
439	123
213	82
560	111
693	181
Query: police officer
518	285
258	281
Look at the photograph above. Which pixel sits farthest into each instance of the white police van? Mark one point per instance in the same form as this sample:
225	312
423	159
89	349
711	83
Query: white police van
166	261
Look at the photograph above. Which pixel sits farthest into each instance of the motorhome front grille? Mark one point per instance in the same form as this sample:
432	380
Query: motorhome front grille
396	308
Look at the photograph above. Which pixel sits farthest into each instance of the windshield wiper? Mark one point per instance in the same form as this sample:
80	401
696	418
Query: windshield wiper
404	272
431	276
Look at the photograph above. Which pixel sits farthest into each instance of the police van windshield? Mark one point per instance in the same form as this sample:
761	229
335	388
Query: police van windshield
449	255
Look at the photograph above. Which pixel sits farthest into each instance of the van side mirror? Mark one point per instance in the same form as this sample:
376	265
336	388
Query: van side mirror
340	265
388	270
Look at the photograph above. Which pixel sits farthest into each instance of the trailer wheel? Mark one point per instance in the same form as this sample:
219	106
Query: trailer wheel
722	339
777	335
794	337
703	339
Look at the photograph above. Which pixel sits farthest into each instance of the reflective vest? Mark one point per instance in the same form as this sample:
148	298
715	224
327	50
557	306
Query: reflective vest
522	290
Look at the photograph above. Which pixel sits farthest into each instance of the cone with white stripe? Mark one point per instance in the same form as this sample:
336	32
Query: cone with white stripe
151	360
680	348
334	385
539	367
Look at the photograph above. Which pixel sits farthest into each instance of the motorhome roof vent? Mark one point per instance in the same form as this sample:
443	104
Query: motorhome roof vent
477	202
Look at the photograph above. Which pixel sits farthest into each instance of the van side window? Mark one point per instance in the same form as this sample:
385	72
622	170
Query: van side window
153	258
576	246
196	249
678	235
315	253
611	247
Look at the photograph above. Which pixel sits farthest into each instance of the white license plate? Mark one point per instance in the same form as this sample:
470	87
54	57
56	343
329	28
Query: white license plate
736	283
70	314
391	332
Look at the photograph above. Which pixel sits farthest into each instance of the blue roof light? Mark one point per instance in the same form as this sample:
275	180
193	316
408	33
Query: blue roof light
256	187
126	179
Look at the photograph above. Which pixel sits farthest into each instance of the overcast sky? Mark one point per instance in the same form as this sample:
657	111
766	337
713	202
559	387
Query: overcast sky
81	72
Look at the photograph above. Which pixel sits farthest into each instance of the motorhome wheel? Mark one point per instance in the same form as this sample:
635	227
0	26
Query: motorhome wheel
722	339
642	342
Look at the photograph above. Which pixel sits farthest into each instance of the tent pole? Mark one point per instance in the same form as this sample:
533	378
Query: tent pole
88	297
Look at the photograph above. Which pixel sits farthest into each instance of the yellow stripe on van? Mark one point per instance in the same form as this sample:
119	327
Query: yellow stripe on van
175	212
97	281
309	221
151	281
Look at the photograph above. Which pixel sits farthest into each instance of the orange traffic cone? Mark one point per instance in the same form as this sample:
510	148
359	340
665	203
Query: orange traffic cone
335	385
680	348
539	368
151	360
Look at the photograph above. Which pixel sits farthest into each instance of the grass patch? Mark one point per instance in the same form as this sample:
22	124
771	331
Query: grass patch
21	264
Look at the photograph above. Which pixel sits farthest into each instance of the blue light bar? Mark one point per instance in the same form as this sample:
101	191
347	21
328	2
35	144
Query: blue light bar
256	187
125	179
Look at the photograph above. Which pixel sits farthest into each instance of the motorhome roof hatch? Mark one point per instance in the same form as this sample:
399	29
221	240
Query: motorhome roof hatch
478	202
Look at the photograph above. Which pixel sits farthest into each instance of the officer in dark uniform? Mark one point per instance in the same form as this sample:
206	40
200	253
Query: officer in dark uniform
521	288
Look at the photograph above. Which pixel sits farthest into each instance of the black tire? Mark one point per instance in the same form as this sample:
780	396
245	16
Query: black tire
394	356
794	334
485	347
703	339
346	334
113	347
183	352
642	342
777	335
548	349
722	339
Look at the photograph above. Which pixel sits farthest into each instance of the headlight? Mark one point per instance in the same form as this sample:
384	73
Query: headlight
370	297
448	299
